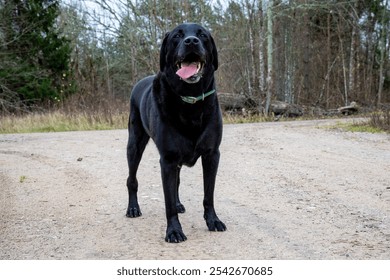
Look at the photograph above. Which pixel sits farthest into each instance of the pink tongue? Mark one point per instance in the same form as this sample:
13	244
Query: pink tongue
187	71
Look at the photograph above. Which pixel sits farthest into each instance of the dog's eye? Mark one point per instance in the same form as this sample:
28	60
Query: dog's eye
178	35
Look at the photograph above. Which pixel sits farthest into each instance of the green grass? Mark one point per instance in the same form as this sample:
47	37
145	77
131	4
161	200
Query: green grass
358	127
378	122
22	179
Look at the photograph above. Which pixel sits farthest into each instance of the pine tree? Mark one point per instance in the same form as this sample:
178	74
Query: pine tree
34	58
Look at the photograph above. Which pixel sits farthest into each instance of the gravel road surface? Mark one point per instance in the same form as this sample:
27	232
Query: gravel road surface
285	190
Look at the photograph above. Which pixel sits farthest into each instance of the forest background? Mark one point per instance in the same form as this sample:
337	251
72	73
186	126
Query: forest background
85	56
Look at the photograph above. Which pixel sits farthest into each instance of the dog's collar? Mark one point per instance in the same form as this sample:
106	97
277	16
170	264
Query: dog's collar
193	100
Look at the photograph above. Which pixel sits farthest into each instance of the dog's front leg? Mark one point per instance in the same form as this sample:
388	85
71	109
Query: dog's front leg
210	167
169	174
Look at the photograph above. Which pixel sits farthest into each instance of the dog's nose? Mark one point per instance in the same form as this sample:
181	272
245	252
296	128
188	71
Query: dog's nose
191	40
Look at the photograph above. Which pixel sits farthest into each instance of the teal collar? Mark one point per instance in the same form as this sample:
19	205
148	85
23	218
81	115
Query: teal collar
193	100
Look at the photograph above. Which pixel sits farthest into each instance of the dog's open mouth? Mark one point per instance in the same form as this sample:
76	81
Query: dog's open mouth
190	71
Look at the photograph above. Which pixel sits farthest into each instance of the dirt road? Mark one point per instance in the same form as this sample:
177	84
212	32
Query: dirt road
287	190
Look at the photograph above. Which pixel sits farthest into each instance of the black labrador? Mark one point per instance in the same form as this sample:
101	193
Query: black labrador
178	108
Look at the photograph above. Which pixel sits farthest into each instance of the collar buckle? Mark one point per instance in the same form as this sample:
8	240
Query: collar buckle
189	99
193	100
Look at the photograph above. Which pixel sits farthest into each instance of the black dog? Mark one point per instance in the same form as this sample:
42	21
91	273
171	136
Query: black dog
178	108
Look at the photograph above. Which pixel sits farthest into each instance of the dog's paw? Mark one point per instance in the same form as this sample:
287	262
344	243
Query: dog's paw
180	208
133	212
214	224
175	236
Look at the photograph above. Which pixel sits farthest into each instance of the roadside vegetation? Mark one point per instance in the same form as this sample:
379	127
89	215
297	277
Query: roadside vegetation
60	121
74	114
380	120
117	118
376	122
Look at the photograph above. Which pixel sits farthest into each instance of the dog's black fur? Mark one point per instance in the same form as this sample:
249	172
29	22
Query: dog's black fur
182	132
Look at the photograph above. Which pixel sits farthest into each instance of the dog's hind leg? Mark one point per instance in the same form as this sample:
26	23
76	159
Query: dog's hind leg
179	206
136	144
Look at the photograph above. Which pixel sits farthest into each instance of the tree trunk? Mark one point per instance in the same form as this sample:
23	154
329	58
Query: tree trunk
306	56
382	44
261	50
251	68
351	77
328	58
342	55
269	56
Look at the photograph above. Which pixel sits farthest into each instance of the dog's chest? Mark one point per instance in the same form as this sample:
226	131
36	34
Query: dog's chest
189	146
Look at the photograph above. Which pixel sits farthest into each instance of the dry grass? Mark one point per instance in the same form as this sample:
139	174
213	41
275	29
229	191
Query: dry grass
60	121
380	120
253	118
78	112
105	115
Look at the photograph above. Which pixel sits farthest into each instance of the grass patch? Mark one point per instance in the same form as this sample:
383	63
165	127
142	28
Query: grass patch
236	119
106	119
359	127
77	113
57	121
22	179
60	121
378	122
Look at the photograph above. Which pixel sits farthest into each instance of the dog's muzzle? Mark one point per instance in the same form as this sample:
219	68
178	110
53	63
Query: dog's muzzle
191	60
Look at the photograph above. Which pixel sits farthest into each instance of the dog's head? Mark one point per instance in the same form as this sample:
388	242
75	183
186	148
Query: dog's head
189	51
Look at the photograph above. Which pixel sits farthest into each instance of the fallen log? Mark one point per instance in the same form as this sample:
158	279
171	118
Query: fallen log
231	101
353	108
280	108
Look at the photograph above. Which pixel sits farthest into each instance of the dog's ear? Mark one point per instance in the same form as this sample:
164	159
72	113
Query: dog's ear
163	52
214	53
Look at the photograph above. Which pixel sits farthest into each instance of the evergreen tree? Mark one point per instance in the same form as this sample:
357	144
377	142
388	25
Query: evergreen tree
34	58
